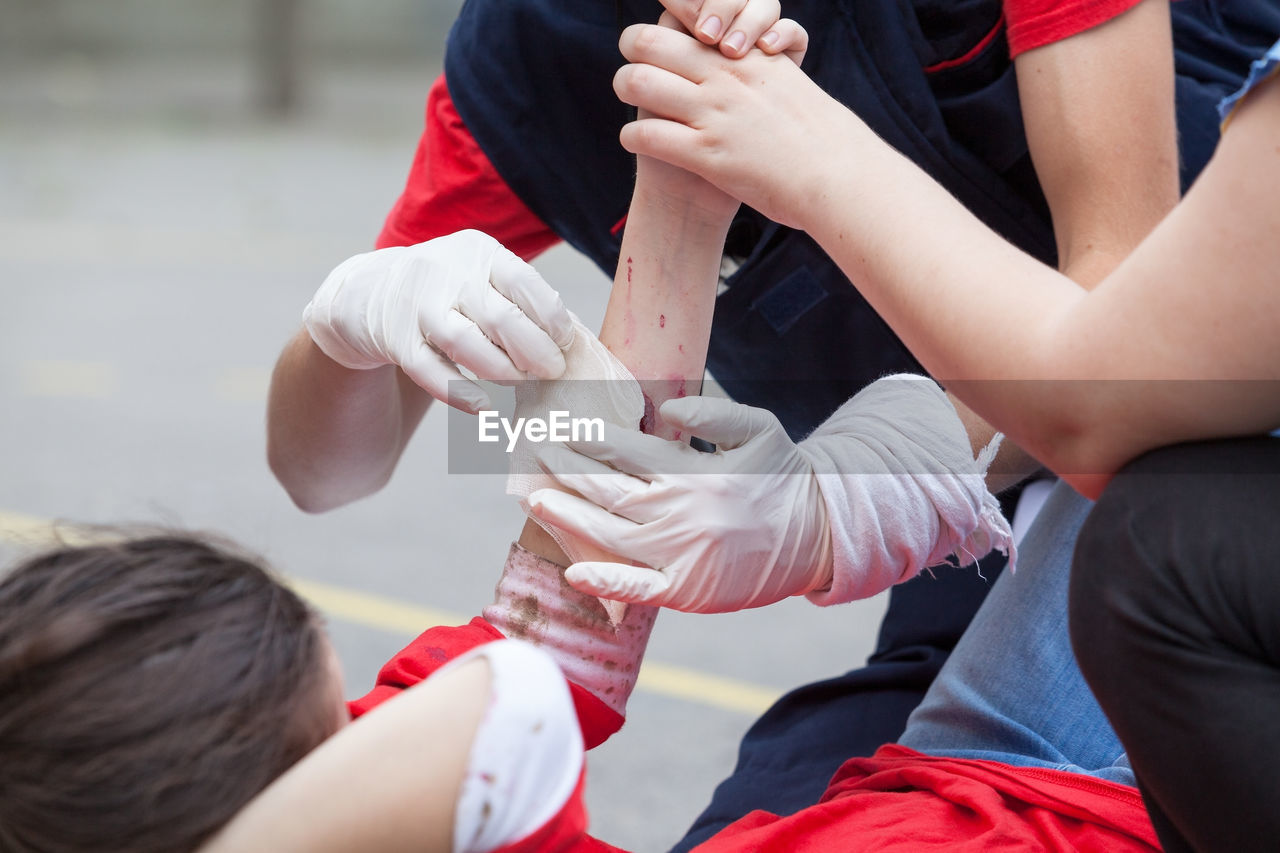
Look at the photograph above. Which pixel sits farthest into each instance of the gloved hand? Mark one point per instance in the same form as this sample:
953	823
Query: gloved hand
460	300
742	527
887	486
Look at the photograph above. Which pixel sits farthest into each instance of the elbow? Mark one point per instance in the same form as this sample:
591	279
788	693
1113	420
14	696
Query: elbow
310	501
314	490
1079	428
304	493
1081	451
1089	486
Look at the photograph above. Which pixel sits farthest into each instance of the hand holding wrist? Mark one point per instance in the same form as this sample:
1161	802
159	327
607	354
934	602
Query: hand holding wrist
711	532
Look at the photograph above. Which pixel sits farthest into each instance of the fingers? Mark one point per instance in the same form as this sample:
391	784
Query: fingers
508	325
521	283
462	341
671	22
786	37
632	584
666	48
722	422
607	488
745	29
582	519
632	452
686	12
656	90
440	378
665	140
734	25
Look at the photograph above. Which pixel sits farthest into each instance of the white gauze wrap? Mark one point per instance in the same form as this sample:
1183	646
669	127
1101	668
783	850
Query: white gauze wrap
596	649
594	385
902	488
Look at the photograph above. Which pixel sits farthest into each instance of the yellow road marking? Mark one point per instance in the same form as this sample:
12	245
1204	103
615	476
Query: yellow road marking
68	379
384	614
242	384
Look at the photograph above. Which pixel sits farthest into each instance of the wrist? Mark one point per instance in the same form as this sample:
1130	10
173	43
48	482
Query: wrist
681	194
821	190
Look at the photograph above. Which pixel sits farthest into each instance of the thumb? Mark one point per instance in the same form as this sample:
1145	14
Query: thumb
619	582
722	422
680	14
523	285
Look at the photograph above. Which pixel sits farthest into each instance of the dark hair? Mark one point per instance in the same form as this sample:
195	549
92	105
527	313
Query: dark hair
148	689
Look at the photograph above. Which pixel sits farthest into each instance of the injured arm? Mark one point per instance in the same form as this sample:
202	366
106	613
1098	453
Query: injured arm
658	320
656	325
442	741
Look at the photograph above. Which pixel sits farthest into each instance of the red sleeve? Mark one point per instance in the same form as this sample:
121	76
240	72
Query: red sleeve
453	186
437	646
1035	23
566	832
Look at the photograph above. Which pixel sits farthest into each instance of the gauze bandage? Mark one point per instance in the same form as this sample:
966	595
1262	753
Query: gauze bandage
533	602
594	385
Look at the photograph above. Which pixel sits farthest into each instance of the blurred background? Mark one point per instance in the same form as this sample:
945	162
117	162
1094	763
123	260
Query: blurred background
176	179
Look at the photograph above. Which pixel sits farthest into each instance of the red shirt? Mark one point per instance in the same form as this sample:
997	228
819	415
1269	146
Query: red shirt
437	646
904	801
453	186
1035	23
896	800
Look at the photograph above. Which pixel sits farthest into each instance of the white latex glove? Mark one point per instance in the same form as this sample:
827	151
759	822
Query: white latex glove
460	300
742	527
887	486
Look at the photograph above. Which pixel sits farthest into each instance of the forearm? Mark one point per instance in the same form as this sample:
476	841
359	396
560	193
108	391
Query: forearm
940	293
657	323
334	434
1098	109
1012	463
938	275
658	319
1149	321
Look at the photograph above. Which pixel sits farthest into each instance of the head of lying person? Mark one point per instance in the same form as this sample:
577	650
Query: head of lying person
149	689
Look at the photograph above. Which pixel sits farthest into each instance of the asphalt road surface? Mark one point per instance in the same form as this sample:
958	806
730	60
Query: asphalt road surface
157	246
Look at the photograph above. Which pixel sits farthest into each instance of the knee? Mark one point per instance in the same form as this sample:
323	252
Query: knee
1126	561
1165	538
1097	581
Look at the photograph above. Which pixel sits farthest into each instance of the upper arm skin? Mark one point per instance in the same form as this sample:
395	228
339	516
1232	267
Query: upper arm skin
1081	379
1098	109
388	783
1194	313
334	434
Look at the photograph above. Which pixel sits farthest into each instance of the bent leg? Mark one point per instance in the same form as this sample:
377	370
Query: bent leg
1175	616
1011	691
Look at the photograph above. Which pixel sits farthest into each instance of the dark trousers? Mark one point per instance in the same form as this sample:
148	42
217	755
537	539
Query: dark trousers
1175	621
